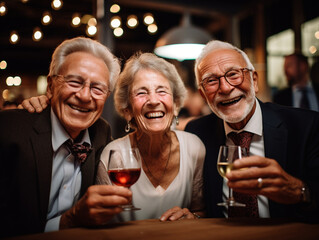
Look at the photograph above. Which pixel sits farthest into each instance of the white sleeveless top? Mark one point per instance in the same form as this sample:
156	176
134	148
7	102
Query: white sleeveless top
185	190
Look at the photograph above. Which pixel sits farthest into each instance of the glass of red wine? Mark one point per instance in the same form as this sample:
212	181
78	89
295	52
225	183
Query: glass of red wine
124	169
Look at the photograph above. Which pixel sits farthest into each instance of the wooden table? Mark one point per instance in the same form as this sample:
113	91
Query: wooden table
153	229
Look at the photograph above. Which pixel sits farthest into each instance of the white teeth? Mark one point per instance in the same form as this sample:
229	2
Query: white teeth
231	100
79	109
155	114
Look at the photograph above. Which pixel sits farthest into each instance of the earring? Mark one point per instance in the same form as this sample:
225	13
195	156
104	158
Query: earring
176	120
128	126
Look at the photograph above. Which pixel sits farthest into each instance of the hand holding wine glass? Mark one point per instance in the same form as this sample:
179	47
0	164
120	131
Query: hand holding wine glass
124	169
227	155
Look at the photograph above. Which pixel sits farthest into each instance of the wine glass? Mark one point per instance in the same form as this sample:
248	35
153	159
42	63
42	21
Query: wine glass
227	155
124	169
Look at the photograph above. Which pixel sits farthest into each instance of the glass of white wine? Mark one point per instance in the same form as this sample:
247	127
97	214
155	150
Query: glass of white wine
227	155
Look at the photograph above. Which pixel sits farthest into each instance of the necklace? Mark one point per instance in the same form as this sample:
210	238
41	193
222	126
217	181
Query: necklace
169	156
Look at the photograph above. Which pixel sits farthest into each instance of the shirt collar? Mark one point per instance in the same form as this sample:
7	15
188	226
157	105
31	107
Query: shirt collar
59	135
254	125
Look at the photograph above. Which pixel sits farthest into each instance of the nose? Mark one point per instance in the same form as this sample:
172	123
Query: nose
224	86
84	93
153	98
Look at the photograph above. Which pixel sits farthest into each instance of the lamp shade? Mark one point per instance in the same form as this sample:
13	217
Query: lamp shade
184	42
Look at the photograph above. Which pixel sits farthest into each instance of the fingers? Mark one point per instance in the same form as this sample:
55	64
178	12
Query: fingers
35	104
176	213
105	196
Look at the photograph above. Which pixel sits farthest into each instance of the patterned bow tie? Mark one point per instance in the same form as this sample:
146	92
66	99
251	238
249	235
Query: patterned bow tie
79	151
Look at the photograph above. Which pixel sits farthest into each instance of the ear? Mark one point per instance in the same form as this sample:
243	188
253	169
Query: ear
176	109
255	81
127	115
49	87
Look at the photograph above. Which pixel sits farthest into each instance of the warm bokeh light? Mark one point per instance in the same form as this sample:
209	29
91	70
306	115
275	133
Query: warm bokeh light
3	9
42	84
14	37
76	20
5	94
312	49
24	1
46	18
115	8
148	18
57	4
118	32
115	22
152	28
3	65
132	21
37	34
317	34
13	81
91	30
92	22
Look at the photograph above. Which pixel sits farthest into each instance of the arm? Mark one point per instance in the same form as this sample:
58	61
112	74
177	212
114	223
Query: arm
35	103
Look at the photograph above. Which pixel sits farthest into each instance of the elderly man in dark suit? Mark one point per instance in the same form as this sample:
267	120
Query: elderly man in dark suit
45	183
281	175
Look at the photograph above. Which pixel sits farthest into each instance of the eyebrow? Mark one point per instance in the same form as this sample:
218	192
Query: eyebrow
82	79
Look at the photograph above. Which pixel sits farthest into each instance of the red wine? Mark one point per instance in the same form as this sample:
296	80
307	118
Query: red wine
124	177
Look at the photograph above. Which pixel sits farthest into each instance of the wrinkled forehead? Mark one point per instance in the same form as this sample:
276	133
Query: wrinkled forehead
217	62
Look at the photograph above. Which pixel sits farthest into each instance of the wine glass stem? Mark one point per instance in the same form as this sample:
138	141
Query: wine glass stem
230	196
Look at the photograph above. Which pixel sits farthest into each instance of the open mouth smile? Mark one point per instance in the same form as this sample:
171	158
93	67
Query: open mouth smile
231	101
79	109
153	115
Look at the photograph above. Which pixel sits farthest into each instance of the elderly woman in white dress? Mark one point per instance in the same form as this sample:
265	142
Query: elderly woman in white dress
149	94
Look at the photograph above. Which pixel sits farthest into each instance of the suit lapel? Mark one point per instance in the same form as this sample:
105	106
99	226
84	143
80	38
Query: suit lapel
275	136
42	146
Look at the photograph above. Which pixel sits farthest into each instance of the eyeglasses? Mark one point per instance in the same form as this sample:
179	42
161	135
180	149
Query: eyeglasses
77	83
234	77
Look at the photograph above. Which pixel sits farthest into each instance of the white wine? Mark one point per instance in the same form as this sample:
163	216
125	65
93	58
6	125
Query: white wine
223	168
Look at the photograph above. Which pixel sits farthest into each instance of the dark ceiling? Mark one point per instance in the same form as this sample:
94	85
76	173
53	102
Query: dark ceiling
29	57
32	57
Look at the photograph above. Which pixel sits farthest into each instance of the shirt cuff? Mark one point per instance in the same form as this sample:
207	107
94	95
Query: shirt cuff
52	224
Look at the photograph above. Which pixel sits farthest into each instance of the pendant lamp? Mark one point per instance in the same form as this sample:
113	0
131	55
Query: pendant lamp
184	42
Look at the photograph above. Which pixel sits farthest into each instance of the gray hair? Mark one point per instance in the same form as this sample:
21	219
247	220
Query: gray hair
215	45
82	44
150	61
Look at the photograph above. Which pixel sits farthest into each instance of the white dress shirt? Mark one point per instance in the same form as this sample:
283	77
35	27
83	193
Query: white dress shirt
66	175
254	126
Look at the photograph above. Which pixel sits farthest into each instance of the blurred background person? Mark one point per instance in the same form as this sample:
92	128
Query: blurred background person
300	92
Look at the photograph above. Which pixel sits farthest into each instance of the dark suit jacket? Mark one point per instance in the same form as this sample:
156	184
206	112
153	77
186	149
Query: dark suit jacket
291	137
284	96
26	168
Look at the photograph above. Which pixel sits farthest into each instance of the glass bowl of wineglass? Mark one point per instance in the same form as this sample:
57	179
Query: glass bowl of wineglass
124	169
227	155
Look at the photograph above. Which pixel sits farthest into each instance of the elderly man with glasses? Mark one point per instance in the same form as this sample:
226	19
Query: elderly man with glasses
49	159
280	177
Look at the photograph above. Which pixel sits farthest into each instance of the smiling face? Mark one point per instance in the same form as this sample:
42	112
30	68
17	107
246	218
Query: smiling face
78	110
233	104
151	102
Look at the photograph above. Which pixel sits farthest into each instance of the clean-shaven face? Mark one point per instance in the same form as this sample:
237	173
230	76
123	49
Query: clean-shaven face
78	110
151	102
